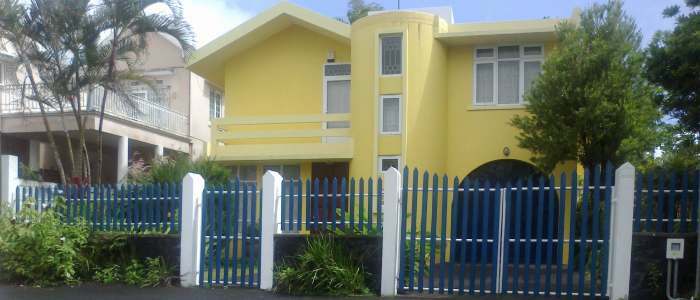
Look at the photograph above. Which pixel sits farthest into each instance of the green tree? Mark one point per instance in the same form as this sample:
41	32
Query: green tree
591	103
673	63
358	9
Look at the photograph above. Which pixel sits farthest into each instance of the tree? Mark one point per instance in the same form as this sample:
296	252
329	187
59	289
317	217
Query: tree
591	103
128	26
358	9
673	63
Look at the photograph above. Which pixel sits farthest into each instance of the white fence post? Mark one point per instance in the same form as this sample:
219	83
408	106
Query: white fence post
620	255
191	235
390	232
270	223
9	179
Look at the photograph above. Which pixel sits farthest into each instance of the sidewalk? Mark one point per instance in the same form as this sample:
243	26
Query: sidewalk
113	292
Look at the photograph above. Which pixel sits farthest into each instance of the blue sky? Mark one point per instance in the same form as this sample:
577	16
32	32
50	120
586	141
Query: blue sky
211	18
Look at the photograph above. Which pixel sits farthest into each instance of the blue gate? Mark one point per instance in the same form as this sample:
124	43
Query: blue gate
230	254
538	236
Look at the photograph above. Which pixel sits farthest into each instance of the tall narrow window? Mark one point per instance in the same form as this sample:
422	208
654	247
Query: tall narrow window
2	73
338	101
390	114
215	104
391	54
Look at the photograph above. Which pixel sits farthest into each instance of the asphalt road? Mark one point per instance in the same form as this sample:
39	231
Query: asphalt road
113	292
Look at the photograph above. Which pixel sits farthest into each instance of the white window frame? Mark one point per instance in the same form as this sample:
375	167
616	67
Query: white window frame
381	53
381	114
221	103
326	79
494	60
380	158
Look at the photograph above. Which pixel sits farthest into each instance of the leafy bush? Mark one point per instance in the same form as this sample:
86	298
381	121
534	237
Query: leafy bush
39	248
322	268
173	169
134	273
152	273
157	273
108	274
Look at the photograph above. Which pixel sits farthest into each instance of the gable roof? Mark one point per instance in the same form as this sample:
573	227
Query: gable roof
208	61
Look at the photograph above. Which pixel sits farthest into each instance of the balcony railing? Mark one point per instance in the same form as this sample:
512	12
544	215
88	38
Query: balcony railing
136	109
281	137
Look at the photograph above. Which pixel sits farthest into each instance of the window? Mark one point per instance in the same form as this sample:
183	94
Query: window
502	75
2	73
390	53
390	114
216	107
246	173
337	92
386	162
287	171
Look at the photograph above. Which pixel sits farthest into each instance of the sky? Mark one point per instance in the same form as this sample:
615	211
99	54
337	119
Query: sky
212	18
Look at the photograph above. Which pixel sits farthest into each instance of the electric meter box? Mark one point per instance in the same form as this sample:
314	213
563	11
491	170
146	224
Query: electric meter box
674	248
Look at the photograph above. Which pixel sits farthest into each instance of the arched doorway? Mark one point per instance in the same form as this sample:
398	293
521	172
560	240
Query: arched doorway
476	214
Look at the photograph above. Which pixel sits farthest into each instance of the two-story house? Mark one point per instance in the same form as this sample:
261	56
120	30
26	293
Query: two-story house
169	116
310	96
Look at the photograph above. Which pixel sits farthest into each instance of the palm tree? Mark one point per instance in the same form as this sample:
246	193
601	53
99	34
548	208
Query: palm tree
127	24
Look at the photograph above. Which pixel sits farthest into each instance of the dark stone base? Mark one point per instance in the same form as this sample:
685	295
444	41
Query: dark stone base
649	266
166	246
368	250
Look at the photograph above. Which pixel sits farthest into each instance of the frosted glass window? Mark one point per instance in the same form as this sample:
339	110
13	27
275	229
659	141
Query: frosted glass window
338	101
391	115
508	82
531	70
484	83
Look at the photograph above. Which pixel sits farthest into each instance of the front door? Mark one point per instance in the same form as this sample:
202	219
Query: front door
325	173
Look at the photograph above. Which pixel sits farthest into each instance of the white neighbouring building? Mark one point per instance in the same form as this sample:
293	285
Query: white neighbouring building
171	117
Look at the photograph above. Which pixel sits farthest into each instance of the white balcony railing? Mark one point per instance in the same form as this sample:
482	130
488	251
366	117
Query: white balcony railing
136	109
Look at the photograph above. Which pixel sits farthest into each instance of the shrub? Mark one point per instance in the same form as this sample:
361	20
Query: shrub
173	169
322	268
39	248
108	274
157	273
134	273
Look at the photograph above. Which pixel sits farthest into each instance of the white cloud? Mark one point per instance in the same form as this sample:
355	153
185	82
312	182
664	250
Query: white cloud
212	18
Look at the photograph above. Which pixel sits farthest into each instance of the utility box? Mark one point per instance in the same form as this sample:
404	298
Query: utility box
674	248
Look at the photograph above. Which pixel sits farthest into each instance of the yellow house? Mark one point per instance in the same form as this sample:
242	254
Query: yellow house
314	97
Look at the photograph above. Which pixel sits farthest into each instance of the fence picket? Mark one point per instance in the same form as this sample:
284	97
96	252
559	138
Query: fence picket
433	229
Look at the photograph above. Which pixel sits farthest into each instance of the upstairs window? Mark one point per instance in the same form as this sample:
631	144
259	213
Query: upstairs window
390	114
216	107
502	75
391	48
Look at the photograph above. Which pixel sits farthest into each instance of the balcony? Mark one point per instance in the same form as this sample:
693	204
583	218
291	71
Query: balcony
137	110
283	137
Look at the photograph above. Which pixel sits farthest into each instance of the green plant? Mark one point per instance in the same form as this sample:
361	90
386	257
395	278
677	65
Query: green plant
416	258
654	280
27	173
156	273
108	274
134	273
321	268
172	169
38	248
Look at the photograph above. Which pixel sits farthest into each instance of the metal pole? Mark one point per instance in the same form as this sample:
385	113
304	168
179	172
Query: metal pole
697	234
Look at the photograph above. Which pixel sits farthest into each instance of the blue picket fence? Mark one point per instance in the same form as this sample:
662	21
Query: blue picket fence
230	254
135	208
331	204
666	202
538	236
